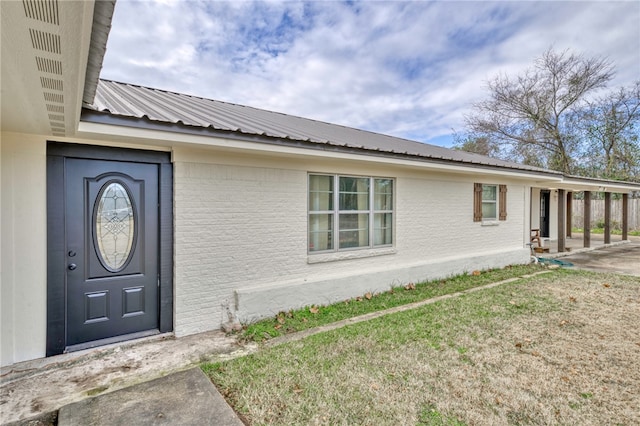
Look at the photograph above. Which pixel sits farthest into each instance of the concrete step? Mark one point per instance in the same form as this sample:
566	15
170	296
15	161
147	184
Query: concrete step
184	398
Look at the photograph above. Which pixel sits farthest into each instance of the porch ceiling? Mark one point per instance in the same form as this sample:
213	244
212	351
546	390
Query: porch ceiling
45	46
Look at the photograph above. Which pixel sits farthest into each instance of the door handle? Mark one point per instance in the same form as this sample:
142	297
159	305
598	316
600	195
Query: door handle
72	266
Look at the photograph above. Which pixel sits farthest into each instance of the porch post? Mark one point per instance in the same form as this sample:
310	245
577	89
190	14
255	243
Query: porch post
569	213
607	218
586	227
562	205
625	216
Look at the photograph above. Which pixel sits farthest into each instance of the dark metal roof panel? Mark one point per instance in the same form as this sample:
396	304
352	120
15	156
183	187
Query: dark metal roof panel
127	100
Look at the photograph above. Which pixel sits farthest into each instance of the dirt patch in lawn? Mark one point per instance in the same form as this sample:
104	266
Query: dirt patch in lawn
562	348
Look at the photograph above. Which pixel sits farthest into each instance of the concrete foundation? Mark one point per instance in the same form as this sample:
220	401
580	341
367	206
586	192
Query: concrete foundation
255	303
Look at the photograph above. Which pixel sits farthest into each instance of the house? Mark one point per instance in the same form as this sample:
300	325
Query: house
129	211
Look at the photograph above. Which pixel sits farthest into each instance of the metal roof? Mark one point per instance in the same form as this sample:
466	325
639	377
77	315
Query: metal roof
132	101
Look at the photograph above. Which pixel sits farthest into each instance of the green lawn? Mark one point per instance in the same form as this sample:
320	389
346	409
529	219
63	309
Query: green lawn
525	352
310	317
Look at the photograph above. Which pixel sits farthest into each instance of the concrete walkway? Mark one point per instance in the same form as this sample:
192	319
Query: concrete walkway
184	398
619	258
34	388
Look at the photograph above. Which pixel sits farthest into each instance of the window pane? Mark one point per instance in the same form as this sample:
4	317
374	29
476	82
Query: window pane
489	211
354	230
354	201
489	193
383	190
382	228
320	193
354	193
114	224
320	232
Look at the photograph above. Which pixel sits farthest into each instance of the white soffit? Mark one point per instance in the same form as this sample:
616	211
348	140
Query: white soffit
45	44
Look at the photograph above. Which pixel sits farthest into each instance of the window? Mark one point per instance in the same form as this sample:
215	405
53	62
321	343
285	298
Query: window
349	212
489	202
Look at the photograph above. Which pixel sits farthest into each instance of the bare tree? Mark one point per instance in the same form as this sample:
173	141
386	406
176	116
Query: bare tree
534	114
611	125
478	145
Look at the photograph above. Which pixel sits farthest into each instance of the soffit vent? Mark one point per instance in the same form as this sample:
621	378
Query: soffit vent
55	108
47	42
47	45
50	66
42	10
57	128
56	98
51	84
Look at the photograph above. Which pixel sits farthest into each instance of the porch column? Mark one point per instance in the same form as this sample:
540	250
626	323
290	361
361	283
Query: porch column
607	218
569	213
625	216
562	205
586	227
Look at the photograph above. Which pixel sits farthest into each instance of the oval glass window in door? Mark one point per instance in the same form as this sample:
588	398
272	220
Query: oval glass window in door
114	226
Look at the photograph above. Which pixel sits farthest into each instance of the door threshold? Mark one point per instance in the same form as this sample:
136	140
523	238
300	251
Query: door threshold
38	366
111	340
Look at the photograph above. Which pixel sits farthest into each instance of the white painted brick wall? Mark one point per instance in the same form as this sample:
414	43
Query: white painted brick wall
435	219
243	228
235	226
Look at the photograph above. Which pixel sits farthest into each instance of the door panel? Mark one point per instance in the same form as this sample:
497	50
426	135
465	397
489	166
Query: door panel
111	233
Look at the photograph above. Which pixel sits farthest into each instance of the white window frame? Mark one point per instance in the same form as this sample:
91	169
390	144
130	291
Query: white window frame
336	212
495	202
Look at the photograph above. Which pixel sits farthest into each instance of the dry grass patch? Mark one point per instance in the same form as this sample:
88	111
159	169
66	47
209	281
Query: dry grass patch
561	348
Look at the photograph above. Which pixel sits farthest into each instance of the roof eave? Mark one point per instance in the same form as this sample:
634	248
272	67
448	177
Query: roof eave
579	183
106	118
102	17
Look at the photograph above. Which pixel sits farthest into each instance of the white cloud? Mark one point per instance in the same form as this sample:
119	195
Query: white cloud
410	69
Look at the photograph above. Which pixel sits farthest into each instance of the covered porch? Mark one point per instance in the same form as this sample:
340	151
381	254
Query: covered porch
552	216
575	243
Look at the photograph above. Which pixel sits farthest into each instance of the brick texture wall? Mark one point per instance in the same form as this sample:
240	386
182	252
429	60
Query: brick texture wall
245	226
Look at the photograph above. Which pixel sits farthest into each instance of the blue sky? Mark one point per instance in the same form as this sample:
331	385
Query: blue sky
408	69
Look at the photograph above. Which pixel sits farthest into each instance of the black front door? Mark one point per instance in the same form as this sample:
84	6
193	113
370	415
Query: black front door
109	245
544	213
112	249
